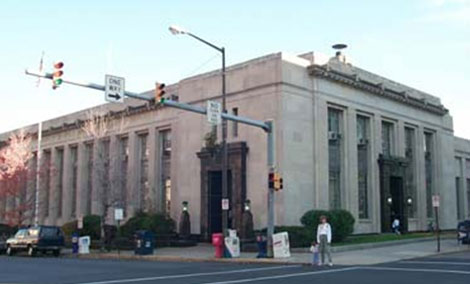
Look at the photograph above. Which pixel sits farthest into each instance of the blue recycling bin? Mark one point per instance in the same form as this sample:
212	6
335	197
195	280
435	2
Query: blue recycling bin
262	243
75	236
144	242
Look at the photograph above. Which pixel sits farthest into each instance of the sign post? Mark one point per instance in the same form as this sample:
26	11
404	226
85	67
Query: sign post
118	216
435	204
214	112
114	89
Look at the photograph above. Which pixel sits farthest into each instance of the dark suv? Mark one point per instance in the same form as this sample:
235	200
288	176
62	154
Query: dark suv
36	239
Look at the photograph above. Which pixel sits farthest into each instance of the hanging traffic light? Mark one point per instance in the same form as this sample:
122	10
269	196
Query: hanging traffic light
277	181
57	75
271	180
159	92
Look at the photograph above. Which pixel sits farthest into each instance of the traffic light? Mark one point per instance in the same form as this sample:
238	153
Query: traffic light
159	92
277	181
271	180
57	75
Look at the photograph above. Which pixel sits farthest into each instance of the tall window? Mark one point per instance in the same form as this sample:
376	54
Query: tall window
468	196
89	176
428	160
458	197
74	163
410	149
123	163
235	124
144	163
334	157
387	138
60	187
165	168
47	181
362	165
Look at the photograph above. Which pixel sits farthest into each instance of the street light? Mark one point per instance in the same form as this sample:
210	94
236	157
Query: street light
177	31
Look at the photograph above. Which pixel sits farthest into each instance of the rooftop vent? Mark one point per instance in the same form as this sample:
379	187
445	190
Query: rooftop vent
339	47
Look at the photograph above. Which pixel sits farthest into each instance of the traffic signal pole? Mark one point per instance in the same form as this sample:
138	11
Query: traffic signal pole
267	126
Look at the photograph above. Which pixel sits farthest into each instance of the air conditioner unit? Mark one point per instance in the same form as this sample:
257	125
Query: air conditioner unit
333	135
362	141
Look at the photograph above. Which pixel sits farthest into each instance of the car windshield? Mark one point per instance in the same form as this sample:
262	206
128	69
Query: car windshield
20	233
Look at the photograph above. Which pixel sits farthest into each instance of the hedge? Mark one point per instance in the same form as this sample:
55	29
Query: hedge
160	224
341	221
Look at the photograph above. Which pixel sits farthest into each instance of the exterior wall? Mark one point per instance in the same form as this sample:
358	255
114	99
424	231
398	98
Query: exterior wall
276	87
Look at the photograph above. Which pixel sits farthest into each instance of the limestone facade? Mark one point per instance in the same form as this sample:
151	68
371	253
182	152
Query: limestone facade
344	138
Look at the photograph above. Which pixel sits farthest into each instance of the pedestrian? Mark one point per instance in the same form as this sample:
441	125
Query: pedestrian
324	239
315	253
396	226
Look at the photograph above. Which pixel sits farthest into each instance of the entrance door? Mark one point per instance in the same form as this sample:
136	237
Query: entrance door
398	200
215	201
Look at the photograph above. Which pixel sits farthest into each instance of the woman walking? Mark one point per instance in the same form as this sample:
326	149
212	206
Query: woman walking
324	239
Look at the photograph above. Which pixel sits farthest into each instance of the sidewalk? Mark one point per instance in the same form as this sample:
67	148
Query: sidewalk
359	256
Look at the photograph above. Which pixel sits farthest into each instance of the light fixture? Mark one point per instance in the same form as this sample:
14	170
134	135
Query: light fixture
389	200
185	205
247	205
176	30
409	200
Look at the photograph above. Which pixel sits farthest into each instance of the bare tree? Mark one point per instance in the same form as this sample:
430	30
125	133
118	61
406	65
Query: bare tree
98	127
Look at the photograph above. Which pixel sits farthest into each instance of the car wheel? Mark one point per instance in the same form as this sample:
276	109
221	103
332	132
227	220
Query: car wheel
31	251
9	251
56	252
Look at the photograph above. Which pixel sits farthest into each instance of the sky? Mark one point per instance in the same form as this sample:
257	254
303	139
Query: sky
421	43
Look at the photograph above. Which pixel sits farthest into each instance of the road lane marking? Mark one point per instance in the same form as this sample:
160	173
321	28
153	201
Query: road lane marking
283	276
436	262
190	275
415	270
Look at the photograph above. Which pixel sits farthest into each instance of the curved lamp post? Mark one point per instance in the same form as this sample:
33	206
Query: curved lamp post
180	31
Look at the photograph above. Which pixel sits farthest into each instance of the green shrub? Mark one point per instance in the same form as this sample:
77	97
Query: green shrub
298	236
341	221
91	227
69	228
157	223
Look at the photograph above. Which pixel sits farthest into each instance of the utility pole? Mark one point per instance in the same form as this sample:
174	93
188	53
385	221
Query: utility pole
267	126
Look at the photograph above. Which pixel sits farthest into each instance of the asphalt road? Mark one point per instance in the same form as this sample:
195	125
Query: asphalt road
443	269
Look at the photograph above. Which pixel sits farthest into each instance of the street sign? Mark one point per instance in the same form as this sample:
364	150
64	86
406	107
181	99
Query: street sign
80	223
114	89
435	200
118	214
214	112
225	205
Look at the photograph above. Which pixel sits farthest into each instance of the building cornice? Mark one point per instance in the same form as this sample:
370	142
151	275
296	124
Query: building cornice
357	82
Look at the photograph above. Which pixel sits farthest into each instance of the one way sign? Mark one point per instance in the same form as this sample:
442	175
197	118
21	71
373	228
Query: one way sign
114	89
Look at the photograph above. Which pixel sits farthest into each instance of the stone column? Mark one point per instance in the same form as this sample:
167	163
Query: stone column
321	153
132	193
54	188
30	191
98	175
351	194
376	150
114	177
154	199
420	179
67	198
400	147
82	166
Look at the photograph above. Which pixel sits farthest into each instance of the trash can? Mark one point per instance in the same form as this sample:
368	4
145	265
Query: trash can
262	243
144	242
218	243
75	242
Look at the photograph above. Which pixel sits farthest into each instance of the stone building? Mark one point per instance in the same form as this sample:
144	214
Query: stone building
344	138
